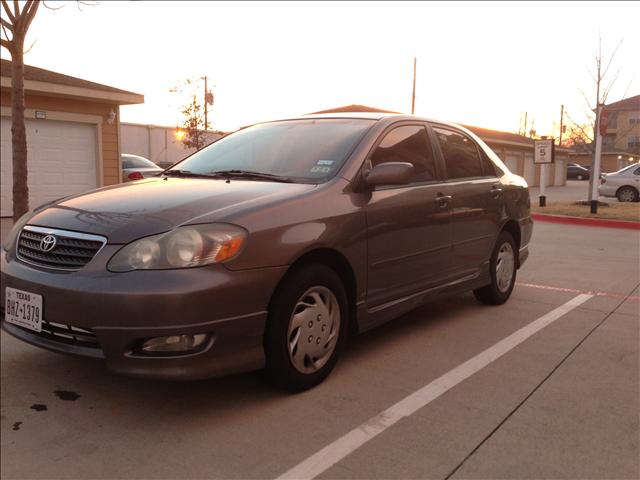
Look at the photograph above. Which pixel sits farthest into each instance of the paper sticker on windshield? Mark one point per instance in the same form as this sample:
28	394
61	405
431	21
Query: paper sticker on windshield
320	169
324	162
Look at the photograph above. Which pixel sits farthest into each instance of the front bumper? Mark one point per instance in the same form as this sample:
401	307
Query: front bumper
124	309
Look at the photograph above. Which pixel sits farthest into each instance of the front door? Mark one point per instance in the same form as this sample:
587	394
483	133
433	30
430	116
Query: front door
408	226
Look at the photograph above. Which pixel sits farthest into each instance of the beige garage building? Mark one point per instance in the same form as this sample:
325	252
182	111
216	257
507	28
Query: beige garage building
73	134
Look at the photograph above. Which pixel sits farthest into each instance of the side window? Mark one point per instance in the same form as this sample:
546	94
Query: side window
409	143
636	171
488	167
460	154
126	163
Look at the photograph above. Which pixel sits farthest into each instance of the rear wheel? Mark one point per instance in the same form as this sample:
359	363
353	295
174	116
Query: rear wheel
627	194
579	177
306	328
503	272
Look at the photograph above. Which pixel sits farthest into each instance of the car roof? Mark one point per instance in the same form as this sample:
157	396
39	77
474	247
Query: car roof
367	116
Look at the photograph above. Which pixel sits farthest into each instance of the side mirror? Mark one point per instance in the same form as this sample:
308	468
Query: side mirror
390	173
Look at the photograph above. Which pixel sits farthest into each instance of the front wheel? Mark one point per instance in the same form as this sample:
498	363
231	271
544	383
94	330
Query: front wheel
306	328
503	272
579	177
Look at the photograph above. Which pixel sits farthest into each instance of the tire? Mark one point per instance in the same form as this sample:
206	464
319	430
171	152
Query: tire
627	194
579	177
502	266
309	306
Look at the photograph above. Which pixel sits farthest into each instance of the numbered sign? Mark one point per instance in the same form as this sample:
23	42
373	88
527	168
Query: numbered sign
543	151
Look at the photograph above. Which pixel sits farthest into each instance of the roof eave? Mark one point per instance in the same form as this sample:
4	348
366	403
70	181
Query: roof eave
55	89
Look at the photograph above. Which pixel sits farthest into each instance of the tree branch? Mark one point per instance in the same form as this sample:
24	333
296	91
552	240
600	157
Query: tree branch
51	8
16	8
6	25
30	14
6	8
611	59
29	49
6	44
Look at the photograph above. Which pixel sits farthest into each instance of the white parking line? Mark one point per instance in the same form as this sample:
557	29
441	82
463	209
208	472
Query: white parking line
336	451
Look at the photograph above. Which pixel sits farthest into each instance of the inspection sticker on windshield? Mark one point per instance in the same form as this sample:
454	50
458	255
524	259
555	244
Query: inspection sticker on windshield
324	162
320	169
23	309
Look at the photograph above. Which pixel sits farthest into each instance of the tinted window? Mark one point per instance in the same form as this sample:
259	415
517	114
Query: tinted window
460	154
409	143
306	150
488	168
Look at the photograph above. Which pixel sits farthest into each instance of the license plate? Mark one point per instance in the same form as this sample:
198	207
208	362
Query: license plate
23	309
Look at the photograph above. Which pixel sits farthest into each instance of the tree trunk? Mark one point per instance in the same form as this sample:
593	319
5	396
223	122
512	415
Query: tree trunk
19	134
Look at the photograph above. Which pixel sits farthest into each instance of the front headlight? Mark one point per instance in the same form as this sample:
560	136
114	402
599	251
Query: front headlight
184	247
10	240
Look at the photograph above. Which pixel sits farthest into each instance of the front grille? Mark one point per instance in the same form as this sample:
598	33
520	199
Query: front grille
71	250
67	334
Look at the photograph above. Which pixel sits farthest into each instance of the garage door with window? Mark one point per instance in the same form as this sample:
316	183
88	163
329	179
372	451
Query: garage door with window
61	159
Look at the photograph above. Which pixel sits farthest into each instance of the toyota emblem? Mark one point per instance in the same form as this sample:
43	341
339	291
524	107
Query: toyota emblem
48	243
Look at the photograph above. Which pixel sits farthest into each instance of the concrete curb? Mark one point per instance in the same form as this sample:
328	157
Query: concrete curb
591	222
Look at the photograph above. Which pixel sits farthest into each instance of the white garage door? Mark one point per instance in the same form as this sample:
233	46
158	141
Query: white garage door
61	159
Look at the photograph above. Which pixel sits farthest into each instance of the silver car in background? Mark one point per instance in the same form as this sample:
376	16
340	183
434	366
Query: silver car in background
135	167
623	184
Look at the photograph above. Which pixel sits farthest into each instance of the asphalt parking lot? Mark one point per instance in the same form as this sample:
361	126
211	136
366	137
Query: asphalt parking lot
561	402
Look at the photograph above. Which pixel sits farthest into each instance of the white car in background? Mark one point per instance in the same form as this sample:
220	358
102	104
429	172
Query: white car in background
623	184
135	167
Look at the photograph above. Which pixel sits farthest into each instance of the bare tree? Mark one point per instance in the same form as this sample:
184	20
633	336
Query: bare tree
14	30
604	78
195	125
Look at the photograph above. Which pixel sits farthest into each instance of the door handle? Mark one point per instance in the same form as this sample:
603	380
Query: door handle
496	191
443	200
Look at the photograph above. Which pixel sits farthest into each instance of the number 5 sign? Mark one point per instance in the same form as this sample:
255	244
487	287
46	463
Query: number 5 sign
543	151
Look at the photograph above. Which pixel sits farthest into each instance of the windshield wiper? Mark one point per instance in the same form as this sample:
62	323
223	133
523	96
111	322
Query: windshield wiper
250	174
186	173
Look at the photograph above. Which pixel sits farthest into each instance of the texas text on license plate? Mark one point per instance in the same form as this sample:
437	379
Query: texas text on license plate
23	308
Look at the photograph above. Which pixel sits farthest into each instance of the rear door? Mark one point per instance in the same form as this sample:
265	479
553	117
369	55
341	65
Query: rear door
477	203
408	226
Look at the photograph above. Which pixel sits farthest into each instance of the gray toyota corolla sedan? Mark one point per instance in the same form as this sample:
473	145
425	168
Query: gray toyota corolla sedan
268	248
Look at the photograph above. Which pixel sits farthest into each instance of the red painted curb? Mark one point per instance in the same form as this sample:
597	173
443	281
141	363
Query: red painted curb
591	222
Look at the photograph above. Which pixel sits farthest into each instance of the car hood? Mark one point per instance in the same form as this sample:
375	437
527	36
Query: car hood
129	211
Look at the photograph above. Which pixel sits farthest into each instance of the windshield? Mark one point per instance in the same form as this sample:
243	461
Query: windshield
308	151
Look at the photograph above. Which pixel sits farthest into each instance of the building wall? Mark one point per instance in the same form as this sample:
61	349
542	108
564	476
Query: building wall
109	144
626	127
158	144
519	160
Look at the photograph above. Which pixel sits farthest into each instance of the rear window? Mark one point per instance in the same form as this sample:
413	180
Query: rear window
460	154
133	161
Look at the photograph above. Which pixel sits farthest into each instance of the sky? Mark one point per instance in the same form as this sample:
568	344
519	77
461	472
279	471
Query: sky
478	63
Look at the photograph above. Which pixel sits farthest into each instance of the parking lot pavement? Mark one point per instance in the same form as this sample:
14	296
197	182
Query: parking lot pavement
573	191
563	403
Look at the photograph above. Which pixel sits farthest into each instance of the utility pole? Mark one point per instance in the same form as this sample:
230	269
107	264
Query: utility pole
206	121
413	96
561	120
